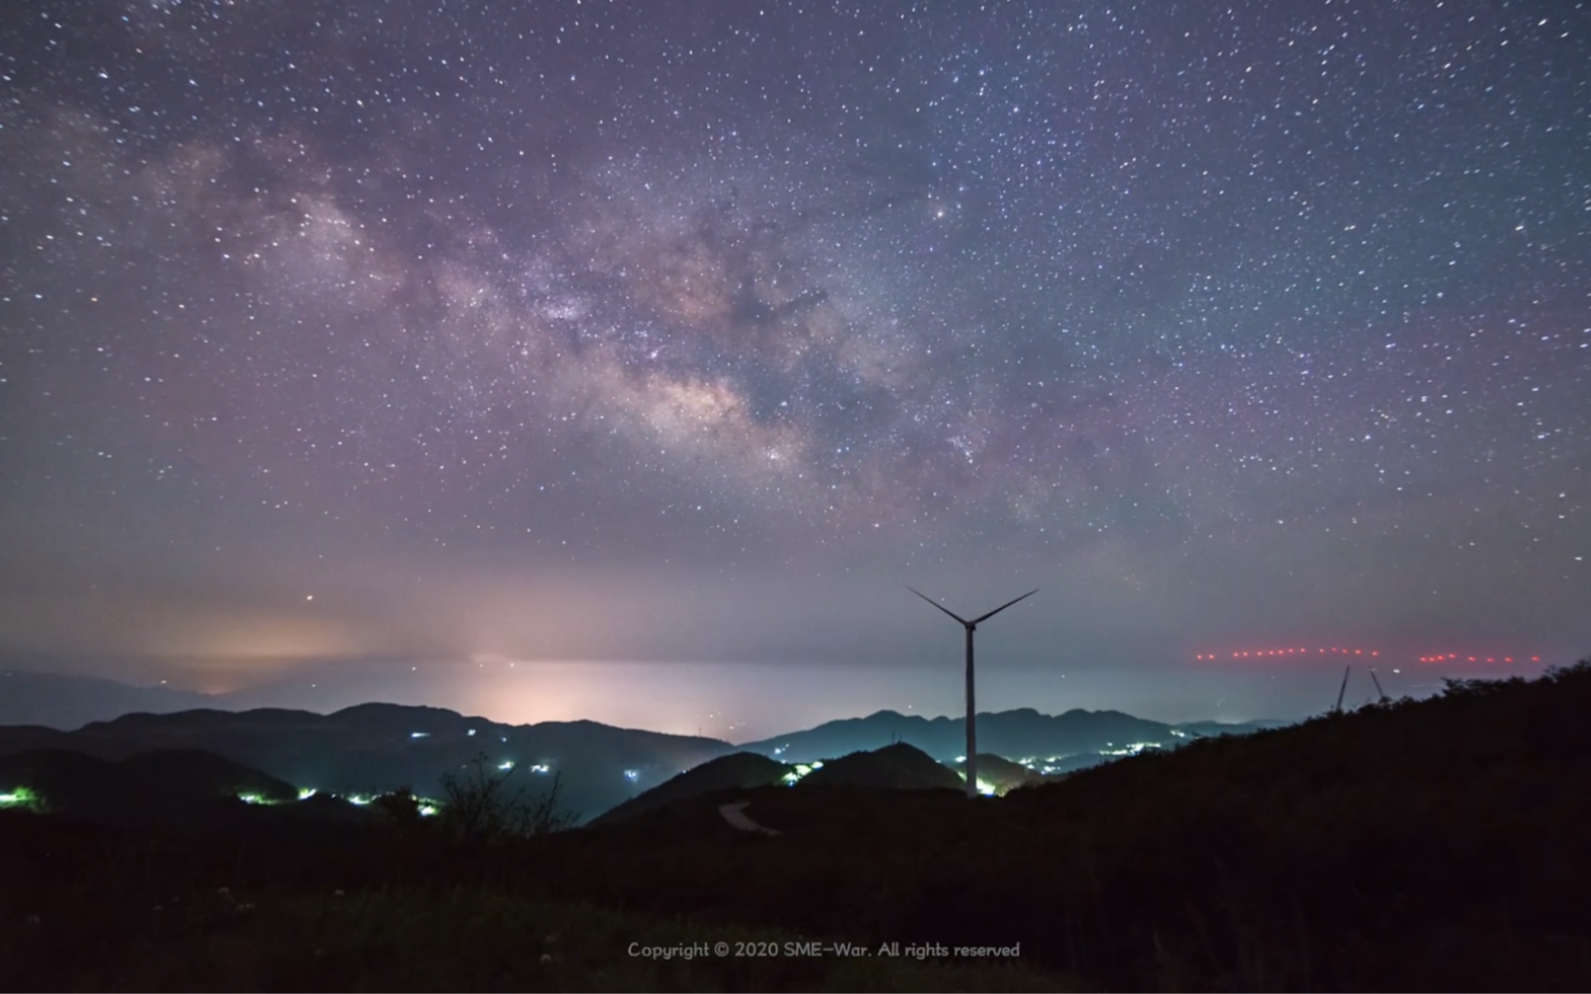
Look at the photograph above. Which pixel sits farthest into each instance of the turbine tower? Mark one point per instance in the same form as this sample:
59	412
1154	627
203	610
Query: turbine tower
972	713
1342	690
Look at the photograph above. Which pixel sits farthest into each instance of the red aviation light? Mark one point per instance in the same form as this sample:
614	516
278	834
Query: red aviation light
1446	657
1338	650
1282	653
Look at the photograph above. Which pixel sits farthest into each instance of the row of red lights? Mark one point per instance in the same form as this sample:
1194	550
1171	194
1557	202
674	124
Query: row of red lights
1439	658
1259	653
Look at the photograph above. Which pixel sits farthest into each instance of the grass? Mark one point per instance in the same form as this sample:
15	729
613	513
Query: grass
429	938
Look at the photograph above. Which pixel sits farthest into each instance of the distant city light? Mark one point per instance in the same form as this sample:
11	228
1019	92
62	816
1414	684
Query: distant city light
1131	749
305	793
419	735
19	797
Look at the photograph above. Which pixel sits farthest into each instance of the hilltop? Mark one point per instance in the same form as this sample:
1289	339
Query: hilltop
894	767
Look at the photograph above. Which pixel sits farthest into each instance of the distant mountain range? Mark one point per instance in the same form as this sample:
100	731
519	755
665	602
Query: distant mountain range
59	701
1063	741
374	748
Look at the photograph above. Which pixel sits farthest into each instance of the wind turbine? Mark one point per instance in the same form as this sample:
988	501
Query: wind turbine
1342	690
972	714
1378	686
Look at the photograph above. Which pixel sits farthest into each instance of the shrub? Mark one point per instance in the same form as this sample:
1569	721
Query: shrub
482	806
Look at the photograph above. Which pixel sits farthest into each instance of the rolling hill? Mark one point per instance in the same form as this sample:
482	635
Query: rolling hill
174	789
374	748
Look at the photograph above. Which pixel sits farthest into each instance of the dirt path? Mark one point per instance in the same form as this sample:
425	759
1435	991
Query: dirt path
735	814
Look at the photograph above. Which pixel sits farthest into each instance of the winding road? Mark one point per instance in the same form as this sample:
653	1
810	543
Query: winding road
735	814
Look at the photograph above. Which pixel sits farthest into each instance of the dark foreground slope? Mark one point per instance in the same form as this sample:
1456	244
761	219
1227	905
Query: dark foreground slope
1417	846
1437	844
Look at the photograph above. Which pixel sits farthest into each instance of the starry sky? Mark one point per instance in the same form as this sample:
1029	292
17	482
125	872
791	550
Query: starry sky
626	361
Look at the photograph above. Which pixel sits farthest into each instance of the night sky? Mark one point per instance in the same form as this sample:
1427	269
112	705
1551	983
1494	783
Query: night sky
626	361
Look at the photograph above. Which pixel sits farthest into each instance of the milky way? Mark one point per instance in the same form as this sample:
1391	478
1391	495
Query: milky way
588	330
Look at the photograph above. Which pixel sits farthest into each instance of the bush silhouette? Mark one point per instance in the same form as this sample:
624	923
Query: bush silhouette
483	806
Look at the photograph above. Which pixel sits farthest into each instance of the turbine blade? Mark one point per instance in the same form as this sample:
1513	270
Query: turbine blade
1002	607
935	603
